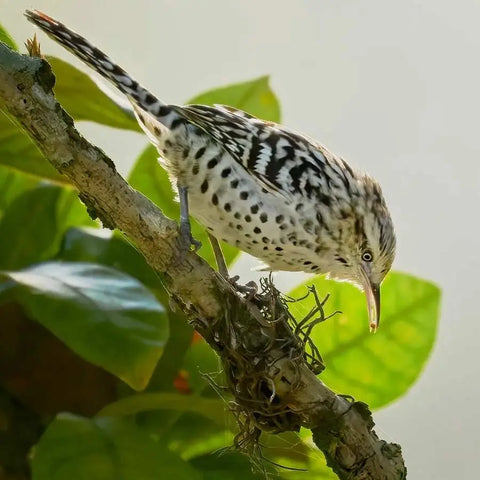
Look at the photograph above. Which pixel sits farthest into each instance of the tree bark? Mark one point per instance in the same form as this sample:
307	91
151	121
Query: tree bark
231	324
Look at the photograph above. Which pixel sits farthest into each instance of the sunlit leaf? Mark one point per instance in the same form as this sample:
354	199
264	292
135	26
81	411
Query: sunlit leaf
79	448
107	317
374	368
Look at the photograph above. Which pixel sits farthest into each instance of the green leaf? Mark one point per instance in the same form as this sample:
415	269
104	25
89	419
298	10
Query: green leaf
212	408
83	100
6	38
35	221
374	368
107	317
12	184
254	97
149	178
231	466
79	448
19	152
30	225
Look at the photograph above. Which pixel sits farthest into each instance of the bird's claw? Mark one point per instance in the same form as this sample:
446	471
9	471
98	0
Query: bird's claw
250	289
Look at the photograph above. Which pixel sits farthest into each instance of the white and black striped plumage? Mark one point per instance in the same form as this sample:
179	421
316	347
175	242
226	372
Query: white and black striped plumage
259	186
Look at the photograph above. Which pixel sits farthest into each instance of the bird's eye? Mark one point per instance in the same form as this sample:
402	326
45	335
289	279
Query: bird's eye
367	256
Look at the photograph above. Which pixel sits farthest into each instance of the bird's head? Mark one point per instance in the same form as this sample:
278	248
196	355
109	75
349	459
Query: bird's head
364	252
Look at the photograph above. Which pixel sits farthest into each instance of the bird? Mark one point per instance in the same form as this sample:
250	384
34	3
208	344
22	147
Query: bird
257	185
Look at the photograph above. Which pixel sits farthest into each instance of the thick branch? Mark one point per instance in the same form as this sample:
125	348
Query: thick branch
342	429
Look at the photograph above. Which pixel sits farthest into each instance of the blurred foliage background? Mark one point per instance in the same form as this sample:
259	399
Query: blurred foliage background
99	379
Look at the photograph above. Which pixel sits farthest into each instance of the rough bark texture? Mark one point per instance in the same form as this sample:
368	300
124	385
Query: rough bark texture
342	429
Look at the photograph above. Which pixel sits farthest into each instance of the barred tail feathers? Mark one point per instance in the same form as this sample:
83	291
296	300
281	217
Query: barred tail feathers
100	62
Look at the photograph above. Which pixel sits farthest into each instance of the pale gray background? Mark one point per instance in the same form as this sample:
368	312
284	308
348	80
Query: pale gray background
393	86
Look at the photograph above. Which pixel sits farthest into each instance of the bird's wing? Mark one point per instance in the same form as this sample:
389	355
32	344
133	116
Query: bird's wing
282	161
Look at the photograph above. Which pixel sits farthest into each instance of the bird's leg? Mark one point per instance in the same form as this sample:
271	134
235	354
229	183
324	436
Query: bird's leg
185	229
250	288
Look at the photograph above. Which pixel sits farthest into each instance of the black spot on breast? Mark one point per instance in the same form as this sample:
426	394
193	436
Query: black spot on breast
279	249
227	207
254	209
283	226
237	215
265	240
195	169
341	260
243	195
257	230
157	131
204	186
234	183
212	163
239	227
226	172
248	218
279	218
168	143
200	153
215	199
307	262
263	217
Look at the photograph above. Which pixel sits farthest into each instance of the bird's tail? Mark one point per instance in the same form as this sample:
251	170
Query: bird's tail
96	59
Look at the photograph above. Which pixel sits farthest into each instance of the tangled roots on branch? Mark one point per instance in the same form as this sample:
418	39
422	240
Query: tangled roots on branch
261	357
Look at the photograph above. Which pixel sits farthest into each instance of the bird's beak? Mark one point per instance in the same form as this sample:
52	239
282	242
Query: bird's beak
372	292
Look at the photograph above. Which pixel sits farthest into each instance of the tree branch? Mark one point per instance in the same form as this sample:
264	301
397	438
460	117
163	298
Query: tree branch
282	393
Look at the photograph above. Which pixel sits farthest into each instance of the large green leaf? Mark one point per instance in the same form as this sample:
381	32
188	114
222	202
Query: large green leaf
83	100
255	97
78	448
151	179
374	368
6	38
105	316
